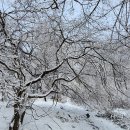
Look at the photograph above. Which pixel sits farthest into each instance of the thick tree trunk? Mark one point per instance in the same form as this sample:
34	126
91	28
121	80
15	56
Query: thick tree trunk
14	125
17	119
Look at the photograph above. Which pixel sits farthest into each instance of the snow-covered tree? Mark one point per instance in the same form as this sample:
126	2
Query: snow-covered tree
43	50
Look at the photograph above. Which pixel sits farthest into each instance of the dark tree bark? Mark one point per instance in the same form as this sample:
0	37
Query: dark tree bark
16	121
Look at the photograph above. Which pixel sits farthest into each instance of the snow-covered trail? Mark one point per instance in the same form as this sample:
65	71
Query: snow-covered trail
60	116
65	117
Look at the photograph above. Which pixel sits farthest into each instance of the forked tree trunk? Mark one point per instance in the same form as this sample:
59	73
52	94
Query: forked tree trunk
17	119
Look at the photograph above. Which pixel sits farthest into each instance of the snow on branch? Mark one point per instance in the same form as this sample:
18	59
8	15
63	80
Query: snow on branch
10	69
42	95
51	90
43	74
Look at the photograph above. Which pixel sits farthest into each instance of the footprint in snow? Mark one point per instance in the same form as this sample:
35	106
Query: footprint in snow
73	126
62	119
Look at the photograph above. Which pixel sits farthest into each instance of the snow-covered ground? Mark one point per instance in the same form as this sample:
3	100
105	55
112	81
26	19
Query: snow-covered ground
59	116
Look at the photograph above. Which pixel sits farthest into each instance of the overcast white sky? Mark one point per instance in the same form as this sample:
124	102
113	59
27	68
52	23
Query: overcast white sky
76	11
5	4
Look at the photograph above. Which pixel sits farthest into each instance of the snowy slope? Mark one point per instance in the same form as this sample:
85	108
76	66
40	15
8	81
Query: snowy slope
60	116
65	117
5	116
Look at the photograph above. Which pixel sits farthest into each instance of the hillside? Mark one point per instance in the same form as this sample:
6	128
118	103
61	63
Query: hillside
60	116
